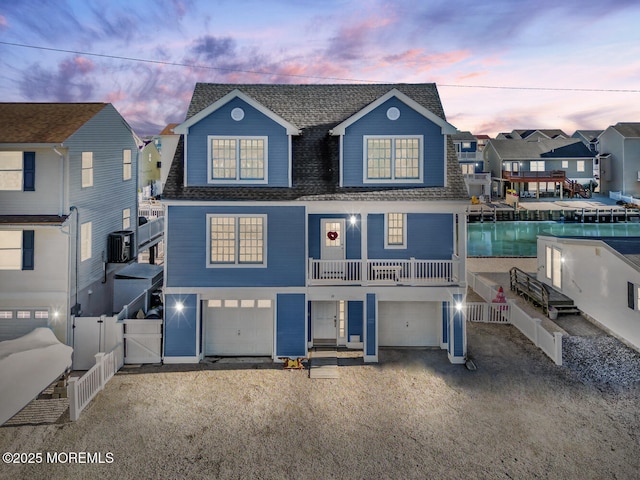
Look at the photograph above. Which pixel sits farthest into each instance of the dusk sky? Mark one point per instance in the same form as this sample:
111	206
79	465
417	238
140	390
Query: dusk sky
569	64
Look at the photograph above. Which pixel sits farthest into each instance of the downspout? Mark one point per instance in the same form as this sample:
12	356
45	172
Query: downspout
77	253
61	209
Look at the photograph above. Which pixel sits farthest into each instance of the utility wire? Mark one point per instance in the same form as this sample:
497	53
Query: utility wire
318	77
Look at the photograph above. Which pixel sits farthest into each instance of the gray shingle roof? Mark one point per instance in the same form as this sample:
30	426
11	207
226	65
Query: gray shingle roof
315	109
545	148
628	130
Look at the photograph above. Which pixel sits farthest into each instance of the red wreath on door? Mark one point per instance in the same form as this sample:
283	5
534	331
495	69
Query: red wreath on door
332	235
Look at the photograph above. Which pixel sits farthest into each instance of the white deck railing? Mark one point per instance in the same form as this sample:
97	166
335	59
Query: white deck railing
383	272
150	232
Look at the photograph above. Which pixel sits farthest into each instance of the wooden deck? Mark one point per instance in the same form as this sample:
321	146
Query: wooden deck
539	293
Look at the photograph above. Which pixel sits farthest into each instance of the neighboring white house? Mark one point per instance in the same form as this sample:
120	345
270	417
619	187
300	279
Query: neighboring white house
602	277
68	181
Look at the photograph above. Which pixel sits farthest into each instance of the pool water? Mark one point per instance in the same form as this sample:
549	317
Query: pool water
519	239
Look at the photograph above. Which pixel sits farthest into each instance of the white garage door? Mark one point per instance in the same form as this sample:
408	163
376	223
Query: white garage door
238	327
408	324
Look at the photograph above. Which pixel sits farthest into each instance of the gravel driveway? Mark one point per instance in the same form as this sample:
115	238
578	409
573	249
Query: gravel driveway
413	415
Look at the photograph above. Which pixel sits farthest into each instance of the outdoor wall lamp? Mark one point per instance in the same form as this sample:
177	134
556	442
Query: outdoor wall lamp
353	219
179	306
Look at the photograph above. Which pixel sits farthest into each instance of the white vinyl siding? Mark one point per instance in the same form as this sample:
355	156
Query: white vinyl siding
395	230
126	164
85	241
11	250
11	165
238	159
236	240
393	159
87	169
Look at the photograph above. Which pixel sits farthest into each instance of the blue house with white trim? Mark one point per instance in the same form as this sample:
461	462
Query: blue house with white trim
307	215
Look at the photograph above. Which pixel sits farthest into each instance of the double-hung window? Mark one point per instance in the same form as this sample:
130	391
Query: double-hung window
580	166
17	171
536	165
85	241
236	240
393	159
87	169
126	164
395	230
238	159
126	219
16	249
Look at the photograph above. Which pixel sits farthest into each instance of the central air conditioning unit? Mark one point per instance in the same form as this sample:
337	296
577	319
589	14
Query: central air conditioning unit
120	246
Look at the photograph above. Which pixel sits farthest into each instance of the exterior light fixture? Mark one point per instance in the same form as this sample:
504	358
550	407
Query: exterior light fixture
353	219
179	306
459	307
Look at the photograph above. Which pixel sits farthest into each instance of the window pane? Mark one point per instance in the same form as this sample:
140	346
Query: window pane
6	314
10	170
407	158
252	159
11	250
23	314
42	314
223	152
251	239
379	158
214	303
223	239
264	303
395	229
87	169
332	234
247	303
126	218
126	164
85	241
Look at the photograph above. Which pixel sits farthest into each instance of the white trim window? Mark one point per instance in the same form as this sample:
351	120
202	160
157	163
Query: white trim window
87	169
565	163
85	241
11	250
237	159
580	165
11	170
536	166
126	164
126	219
395	228
236	240
553	265
393	159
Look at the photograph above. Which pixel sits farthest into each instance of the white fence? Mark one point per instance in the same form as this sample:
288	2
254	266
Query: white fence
549	343
82	390
142	340
625	198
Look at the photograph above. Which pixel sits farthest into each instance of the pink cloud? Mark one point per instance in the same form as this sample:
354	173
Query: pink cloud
3	22
77	66
418	61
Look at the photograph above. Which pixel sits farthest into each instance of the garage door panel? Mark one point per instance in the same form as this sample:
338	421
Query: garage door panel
238	331
408	324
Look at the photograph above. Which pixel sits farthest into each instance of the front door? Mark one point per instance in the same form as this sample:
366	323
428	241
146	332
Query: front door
332	241
325	321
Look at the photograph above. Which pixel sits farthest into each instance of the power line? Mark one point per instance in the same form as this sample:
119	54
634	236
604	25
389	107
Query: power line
318	77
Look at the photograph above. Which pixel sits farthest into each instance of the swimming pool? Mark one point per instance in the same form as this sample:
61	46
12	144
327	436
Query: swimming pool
519	239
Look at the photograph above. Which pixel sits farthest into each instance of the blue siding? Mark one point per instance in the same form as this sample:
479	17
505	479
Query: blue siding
180	327
457	335
370	347
429	236
355	312
186	255
253	123
409	123
291	316
445	323
353	235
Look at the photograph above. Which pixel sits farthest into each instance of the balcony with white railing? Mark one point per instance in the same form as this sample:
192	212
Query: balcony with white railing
412	272
150	233
477	178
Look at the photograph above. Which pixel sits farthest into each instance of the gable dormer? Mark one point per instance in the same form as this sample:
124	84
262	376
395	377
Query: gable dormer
394	141
237	141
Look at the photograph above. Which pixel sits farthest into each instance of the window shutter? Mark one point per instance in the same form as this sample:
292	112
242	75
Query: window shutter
27	249
29	171
631	295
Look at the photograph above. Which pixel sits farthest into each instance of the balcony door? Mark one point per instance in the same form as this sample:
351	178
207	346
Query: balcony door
332	241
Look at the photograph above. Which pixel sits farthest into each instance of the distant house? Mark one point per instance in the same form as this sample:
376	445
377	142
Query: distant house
541	166
68	179
469	151
149	170
589	138
532	135
619	159
308	215
601	275
166	142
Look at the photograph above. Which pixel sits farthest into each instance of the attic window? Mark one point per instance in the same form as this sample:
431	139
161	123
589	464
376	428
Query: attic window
237	114
237	159
392	159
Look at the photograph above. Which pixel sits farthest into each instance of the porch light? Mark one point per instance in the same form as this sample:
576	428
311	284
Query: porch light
56	314
179	306
459	307
353	219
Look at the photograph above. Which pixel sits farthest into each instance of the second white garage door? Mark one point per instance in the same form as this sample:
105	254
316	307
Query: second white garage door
408	324
238	327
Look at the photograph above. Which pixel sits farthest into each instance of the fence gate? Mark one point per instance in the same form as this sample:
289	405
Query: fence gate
142	341
92	335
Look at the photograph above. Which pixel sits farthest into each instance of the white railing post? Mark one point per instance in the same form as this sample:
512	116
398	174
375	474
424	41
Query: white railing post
99	360
72	394
557	336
